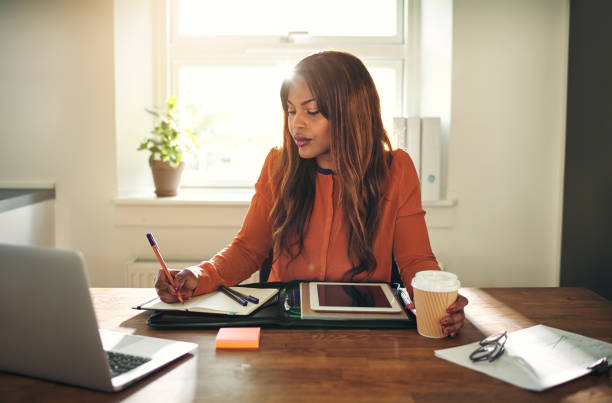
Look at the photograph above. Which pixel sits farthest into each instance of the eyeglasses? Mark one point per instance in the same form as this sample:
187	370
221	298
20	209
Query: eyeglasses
490	348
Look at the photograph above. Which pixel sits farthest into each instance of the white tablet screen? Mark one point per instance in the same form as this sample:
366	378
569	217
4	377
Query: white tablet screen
352	296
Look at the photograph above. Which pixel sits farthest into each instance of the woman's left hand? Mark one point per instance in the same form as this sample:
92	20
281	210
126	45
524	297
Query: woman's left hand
453	322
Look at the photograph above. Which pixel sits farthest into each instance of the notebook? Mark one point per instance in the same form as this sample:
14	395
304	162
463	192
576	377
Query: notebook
49	324
215	302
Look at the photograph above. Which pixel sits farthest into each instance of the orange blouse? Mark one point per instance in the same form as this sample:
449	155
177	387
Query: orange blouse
402	234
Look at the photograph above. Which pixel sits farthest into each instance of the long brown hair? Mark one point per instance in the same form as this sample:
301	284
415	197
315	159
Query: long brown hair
346	96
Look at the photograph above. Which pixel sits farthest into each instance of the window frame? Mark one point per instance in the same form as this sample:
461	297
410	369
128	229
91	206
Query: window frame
273	40
172	50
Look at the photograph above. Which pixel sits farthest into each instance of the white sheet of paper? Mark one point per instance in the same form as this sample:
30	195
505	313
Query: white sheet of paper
536	358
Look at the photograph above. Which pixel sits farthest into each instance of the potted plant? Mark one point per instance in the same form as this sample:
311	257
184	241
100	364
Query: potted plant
167	144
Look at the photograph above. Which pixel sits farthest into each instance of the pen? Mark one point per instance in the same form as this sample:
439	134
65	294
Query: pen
249	298
405	298
163	264
236	298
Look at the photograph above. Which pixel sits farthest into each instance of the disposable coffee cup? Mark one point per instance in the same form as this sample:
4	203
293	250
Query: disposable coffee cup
434	292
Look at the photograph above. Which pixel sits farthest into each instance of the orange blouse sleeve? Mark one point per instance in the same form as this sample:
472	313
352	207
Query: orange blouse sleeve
411	248
251	246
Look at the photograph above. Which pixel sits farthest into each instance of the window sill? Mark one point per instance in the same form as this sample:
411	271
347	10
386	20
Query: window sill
217	197
221	207
189	197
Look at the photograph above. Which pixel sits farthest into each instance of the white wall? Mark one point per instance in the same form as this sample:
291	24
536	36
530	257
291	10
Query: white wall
57	109
507	141
435	73
29	225
134	91
505	158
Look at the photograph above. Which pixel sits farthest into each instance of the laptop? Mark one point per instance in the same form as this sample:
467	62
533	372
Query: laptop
49	328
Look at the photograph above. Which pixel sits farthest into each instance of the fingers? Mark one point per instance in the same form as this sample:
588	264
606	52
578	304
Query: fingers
452	324
178	283
186	282
410	305
454	321
165	290
458	305
161	279
167	294
179	279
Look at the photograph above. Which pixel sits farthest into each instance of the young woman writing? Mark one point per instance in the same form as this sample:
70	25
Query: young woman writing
334	203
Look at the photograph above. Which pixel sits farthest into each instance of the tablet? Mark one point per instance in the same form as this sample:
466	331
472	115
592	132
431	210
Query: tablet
352	297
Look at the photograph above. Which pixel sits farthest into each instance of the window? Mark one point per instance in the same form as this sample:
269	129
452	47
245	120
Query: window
225	61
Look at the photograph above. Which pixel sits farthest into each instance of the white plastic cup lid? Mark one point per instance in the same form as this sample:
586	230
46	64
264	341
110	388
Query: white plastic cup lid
436	281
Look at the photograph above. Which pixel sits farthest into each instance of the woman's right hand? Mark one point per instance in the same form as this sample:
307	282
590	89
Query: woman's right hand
186	281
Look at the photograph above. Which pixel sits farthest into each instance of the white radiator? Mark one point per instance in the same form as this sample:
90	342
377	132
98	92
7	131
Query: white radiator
141	273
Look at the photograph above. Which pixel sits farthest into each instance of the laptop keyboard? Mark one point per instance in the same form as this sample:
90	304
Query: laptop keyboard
120	363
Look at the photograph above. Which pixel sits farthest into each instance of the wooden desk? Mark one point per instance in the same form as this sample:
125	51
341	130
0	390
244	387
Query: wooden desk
343	365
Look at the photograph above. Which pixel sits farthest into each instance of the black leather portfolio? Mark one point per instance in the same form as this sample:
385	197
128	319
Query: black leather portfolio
282	311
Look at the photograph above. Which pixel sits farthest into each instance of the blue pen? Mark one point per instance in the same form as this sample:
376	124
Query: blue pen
250	298
236	298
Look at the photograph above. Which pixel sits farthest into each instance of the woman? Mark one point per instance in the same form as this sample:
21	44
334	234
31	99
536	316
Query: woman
334	203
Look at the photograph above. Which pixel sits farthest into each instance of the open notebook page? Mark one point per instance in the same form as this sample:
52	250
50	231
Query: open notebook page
216	302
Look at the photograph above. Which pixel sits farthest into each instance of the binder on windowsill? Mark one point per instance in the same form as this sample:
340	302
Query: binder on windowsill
282	310
407	132
430	159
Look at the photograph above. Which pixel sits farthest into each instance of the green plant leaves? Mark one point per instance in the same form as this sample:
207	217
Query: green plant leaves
167	143
171	104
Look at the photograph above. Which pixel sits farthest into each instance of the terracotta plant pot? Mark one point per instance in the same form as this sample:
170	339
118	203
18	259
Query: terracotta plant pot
166	177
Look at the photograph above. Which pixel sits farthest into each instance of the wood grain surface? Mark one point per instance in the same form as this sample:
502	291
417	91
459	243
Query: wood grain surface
342	365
